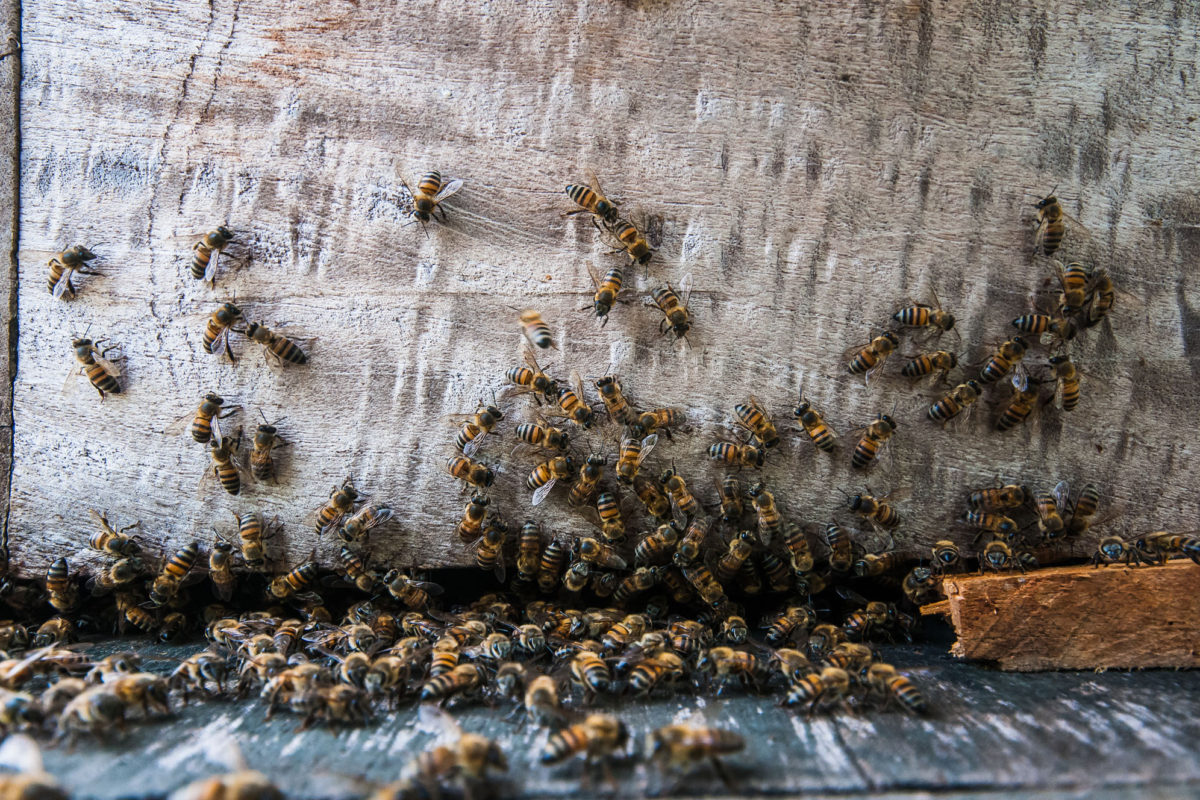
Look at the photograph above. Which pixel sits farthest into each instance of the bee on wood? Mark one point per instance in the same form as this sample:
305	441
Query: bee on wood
530	378
875	510
554	558
204	424
369	516
278	348
730	563
993	523
1072	281
61	592
876	435
1052	225
170	579
413	594
631	455
675	486
226	466
999	498
92	362
827	688
618	407
885	682
1020	406
489	548
823	437
470	472
216	330
1101	296
676	317
529	551
841	548
536	330
1084	511
729	492
1006	358
640	580
923	316
1049	327
755	419
868	359
648	490
545	475
769	520
736	455
428	197
252	532
608	289
295	583
599	737
220	569
471	524
587	483
705	584
1067	377
266	440
591	200
461	680
207	251
112	542
1048	505
341	502
612	527
939	361
799	552
570	400
996	556
594	553
663	668
543	436
692	541
63	265
955	402
657	547
680	749
627	238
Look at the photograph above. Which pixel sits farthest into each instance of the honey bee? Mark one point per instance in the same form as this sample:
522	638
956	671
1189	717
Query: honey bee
1084	510
872	565
1050	521
853	657
727	665
530	378
470	472
207	251
869	359
618	407
112	542
884	681
225	464
769	520
295	583
554	558
657	504
252	531
705	584
590	673
939	361
372	515
739	455
489	549
689	547
632	453
756	420
1049	327
62	594
676	488
64	265
946	556
587	483
999	498
1101	295
877	433
341	503
1159	546
413	594
989	522
793	620
278	348
996	556
170	579
658	419
54	631
591	200
92	711
629	239
819	690
612	527
1068	382
594	553
814	424
544	476
364	580
958	400
656	547
1073	282
471	524
1051	225
598	737
536	330
427	199
920	583
463	679
799	552
216	330
204	426
656	670
1006	358
220	569
729	491
682	748
923	316
544	436
576	577
675	310
640	580
731	561
1022	404
1113	549
128	611
529	551
841	548
570	401
262	462
101	372
679	589
608	289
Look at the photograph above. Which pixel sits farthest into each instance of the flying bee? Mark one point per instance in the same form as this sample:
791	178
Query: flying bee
1049	327
955	402
226	466
692	541
799	552
612	527
278	348
63	265
755	419
814	424
1050	520
413	594
1084	510
618	407
594	553
731	561
531	378
266	440
657	504
769	520
608	289
92	362
591	200
920	583
874	509
544	436
736	455
676	488
471	524
631	455
628	238
941	361
588	482
372	515
489	549
729	490
1020	406
868	359
206	252
427	199
885	682
657	547
536	330
170	580
1006	358
341	502
675	310
946	556
62	594
866	452
554	558
295	583
470	472
1068	382
1101	295
989	522
112	542
1051	225
220	569
216	330
364	580
543	477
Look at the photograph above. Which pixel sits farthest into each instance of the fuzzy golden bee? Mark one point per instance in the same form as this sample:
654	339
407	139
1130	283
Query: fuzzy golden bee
545	475
65	264
427	200
217	329
207	251
591	200
955	402
470	472
1051	225
867	360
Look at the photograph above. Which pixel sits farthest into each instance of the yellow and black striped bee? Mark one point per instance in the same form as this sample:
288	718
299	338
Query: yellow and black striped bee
872	565
252	532
657	547
596	554
923	316
1068	382
599	736
110	541
631	455
675	310
129	611
570	400
471	472
1062	329
204	426
100	372
999	498
587	484
866	452
730	562
729	490
206	251
543	477
799	551
266	439
220	569
170	579
875	510
883	680
62	594
225	464
946	555
1048	505
471	524
1051	225
355	568
736	455
756	420
62	265
1073	282
868	359
678	749
841	548
939	361
295	583
640	580
628	238
658	419
793	620
536	330
993	523
372	515
279	348
705	584
997	555
681	497
1006	358
692	541
531	378
608	289
591	673
576	577
489	549
529	551
554	558
1023	402
462	679
1084	510
591	200
1101	296
656	670
341	503
769	520
413	594
814	424
216	330
612	527
618	407
544	436
427	199
657	504
956	401
472	433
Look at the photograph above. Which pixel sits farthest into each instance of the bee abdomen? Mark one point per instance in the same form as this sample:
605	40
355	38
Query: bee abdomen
913	316
909	696
102	379
231	481
866	451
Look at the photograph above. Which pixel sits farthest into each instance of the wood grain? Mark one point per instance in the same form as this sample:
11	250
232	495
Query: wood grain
813	165
1079	617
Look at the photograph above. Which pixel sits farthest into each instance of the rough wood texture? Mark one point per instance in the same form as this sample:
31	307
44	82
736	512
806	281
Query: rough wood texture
1078	617
813	166
10	178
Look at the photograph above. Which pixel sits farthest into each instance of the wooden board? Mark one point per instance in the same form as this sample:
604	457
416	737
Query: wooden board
813	165
1078	617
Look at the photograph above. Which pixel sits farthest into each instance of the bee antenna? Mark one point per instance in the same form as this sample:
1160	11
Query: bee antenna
261	414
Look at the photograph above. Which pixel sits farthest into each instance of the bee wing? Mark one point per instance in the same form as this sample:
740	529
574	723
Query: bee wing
427	586
210	272
1062	495
223	591
381	516
543	491
334	523
205	484
849	594
530	359
577	385
472	447
500	571
595	278
594	182
1020	379
182	424
647	445
450	188
64	281
685	290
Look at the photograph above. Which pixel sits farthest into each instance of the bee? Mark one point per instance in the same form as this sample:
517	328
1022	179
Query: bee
867	360
295	583
814	424
536	330
591	673
729	490
1050	521
341	503
207	251
1051	225
93	363
850	656
94	710
623	633
586	485
816	690
769	520
1068	382
63	265
756	420
920	583
640	580
872	565
594	553
884	681
1022	404
543	436
689	547
923	316
958	400
543	477
612	527
591	200
576	577
262	463
531	378
170	579
793	620
252	533
413	594
656	547
1005	359
996	556
112	542
727	665
1073	282
1102	296
128	611
739	455
372	515
225	464
877	433
675	310
779	577
1113	549
529	551
946	556
1084	509
731	561
54	631
734	629
1160	546
216	330
471	524
598	737
554	558
427	199
220	569
705	584
681	748
676	488
631	455
204	426
618	407
470	472
989	522
841	548
463	679
489	550
1063	329
655	670
999	498
279	348
799	552
570	400
657	504
928	363
356	571
659	419
627	237
541	703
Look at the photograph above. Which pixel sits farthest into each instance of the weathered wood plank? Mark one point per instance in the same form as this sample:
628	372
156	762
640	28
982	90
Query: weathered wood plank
10	176
814	164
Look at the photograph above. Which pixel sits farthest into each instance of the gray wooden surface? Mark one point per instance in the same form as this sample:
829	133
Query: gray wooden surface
1052	732
813	165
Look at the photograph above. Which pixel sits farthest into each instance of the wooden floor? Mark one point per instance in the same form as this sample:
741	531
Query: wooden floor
1108	735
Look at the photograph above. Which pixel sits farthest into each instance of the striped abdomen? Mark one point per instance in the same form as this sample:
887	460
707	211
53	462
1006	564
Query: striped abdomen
778	575
589	670
212	332
995	369
595	203
536	329
430	183
886	516
201	428
945	409
818	431
101	378
867	450
1033	323
1088	502
566	743
442	661
286	349
467	434
1052	225
57	268
863	361
913	316
1017	411
608	509
553	559
182	561
926	363
907	694
201	255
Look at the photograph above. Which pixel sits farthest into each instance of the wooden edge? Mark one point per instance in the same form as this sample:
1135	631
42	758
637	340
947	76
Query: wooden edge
941	607
10	184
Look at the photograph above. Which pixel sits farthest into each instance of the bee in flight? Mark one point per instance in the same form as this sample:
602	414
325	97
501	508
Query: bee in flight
206	252
868	359
279	348
101	372
674	307
591	200
63	265
430	193
536	330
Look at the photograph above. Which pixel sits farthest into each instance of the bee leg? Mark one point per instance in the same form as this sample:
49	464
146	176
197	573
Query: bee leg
722	773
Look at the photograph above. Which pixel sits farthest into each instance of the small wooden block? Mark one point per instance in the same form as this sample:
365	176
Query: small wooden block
1078	617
